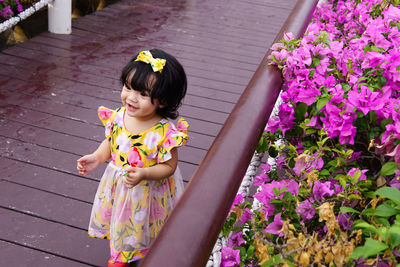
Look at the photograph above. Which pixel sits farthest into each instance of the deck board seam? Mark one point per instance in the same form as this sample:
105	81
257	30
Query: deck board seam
50	192
46	251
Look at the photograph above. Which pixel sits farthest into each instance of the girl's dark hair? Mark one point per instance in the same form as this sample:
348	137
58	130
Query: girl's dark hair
169	86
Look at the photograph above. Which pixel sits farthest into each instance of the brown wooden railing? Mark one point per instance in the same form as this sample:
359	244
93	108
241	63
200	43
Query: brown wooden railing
188	236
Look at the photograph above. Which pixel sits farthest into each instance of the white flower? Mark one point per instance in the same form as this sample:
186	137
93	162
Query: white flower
131	240
119	119
152	139
108	128
124	143
141	215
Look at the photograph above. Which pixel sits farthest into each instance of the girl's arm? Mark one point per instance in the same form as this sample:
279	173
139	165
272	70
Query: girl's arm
157	172
89	162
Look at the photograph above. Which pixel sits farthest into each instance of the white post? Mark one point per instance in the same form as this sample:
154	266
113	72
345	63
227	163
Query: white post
59	16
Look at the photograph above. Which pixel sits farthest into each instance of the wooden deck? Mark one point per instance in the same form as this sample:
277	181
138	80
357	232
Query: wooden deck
51	86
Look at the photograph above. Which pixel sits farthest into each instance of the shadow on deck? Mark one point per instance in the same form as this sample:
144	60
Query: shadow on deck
51	86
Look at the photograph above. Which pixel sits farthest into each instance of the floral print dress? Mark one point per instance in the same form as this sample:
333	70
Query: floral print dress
131	218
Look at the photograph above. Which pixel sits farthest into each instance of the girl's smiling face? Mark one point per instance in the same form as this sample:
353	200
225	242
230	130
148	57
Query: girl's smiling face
138	104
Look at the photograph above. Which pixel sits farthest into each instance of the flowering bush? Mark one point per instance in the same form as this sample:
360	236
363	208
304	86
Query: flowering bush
10	8
333	197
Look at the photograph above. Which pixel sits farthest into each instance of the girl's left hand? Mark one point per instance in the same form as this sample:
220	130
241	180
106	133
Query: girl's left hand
135	176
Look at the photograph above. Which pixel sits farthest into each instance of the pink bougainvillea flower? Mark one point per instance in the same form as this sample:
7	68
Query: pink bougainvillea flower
260	179
344	221
392	13
273	125
286	115
322	189
308	93
288	36
372	60
307	163
275	226
236	240
230	257
305	210
362	176
374	33
238	200
246	215
365	100
395	182
266	193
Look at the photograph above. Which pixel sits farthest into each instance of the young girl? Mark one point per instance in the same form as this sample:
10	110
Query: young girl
142	183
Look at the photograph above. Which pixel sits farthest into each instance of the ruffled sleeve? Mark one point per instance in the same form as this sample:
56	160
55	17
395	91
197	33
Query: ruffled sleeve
106	116
174	137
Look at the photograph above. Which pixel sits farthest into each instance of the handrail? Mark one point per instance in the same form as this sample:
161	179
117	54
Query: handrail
188	236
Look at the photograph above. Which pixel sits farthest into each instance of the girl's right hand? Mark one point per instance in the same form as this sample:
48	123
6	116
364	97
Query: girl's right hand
87	164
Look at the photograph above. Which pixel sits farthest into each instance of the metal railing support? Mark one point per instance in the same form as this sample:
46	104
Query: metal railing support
188	236
59	16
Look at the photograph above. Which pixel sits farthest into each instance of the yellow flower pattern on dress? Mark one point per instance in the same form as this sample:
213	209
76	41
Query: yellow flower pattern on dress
131	218
157	64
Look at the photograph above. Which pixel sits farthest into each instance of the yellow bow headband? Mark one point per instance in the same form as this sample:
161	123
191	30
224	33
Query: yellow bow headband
157	64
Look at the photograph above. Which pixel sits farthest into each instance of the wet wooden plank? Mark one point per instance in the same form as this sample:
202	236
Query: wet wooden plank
52	207
17	255
54	238
49	180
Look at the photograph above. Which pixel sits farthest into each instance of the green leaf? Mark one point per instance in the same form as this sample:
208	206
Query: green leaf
354	196
382	222
242	252
277	259
371	248
342	182
391	193
316	61
372	116
348	209
300	110
276	192
250	251
382	81
396	141
262	145
275	201
311	131
364	225
389	168
383	233
322	102
269	263
324	172
394	233
383	210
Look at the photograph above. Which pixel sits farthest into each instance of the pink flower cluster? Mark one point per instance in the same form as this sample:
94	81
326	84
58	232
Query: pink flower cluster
9	8
347	65
340	108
